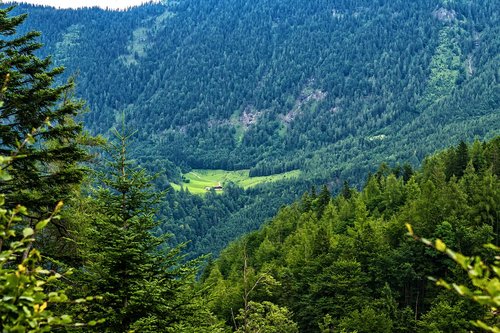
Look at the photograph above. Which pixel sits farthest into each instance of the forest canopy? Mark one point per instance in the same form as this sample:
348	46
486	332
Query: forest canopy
328	88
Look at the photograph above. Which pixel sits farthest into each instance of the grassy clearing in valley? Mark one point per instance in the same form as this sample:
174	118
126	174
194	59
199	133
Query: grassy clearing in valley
199	179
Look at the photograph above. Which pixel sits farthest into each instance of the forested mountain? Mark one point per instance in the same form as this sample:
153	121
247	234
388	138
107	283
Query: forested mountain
347	264
332	88
80	249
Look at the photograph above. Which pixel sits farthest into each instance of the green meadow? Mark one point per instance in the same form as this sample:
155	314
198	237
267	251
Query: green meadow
200	179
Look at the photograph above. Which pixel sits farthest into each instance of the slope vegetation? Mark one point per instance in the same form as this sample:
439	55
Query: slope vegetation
347	262
331	88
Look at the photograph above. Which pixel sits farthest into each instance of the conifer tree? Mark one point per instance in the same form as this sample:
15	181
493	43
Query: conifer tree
144	288
38	128
37	125
346	190
322	200
461	159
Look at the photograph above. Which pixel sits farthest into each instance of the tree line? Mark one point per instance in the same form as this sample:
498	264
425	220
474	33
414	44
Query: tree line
346	263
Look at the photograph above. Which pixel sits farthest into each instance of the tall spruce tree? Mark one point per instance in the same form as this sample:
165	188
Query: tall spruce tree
37	125
145	286
35	108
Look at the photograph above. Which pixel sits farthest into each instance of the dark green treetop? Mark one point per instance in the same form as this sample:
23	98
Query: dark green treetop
34	107
145	286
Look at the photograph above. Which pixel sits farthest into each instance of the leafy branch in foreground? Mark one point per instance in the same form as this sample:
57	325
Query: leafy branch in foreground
483	276
26	288
23	282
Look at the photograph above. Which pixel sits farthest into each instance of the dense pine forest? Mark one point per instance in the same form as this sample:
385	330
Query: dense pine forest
346	262
328	88
386	111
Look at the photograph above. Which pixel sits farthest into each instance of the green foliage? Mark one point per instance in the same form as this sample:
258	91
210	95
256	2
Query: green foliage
34	107
275	108
28	290
347	265
38	126
365	321
399	90
41	147
25	286
271	87
444	317
266	317
446	65
484	277
140	279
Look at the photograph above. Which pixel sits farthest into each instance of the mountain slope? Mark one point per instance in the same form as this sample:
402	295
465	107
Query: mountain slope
348	261
332	88
237	84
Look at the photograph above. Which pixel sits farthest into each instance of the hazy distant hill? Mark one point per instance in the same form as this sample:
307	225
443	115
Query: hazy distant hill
329	87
